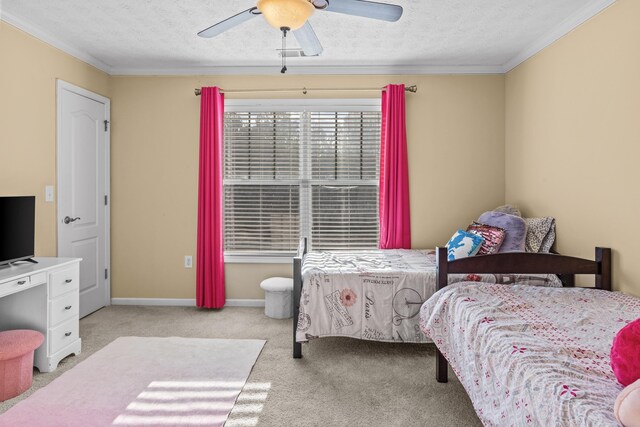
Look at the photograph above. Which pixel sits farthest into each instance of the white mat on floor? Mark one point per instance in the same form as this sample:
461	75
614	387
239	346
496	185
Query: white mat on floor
144	381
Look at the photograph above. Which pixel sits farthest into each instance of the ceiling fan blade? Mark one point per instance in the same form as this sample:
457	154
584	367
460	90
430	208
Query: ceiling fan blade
228	23
308	40
367	9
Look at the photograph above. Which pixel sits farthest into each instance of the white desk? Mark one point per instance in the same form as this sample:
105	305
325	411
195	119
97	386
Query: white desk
44	297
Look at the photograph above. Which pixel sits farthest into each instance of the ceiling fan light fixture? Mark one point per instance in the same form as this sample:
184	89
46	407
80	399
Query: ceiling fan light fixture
291	14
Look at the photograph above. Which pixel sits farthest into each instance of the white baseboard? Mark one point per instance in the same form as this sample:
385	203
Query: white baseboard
167	302
177	302
244	303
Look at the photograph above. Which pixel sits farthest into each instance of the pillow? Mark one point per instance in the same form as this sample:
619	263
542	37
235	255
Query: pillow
541	233
625	357
514	226
493	237
627	406
462	245
508	209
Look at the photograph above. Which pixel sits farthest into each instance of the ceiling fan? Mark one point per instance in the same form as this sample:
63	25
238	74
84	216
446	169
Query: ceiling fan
292	15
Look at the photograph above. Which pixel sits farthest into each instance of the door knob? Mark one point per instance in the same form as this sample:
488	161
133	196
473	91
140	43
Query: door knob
68	220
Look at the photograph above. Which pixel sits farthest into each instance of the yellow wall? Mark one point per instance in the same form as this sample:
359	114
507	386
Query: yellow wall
573	138
455	128
565	123
28	72
456	158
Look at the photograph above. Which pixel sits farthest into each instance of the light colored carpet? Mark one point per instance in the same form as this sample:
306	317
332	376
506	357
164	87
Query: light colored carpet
144	381
339	382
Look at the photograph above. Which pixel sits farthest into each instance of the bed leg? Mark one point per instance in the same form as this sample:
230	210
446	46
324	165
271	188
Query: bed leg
297	347
297	350
297	291
442	375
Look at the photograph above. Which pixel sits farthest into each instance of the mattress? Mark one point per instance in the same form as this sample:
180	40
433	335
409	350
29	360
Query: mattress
531	356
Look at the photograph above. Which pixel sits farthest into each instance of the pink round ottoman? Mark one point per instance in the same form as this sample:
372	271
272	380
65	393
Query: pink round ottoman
16	361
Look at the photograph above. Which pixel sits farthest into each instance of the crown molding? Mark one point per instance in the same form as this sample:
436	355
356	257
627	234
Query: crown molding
243	70
306	70
561	30
568	25
53	41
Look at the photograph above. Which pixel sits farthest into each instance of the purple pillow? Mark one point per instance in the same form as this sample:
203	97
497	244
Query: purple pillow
515	227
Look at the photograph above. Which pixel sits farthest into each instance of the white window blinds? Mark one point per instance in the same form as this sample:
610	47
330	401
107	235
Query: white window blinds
301	172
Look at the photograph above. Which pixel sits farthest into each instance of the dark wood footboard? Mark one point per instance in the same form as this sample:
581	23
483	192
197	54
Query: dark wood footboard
297	292
521	263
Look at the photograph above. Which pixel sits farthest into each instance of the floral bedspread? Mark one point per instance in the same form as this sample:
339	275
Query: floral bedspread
531	356
376	295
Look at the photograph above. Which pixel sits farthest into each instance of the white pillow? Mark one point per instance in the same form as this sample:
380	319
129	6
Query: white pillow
463	244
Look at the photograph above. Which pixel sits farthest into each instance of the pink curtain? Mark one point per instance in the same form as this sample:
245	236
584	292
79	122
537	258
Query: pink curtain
210	292
395	221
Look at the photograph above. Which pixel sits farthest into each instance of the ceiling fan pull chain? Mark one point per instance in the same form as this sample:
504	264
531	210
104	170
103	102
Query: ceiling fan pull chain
284	49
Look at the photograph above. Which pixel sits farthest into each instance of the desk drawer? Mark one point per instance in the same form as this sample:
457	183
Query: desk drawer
22	283
63	308
63	335
63	281
16	285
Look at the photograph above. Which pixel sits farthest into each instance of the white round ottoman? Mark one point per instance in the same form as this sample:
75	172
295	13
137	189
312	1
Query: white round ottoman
278	297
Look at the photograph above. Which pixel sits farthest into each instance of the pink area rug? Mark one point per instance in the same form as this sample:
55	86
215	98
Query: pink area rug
144	382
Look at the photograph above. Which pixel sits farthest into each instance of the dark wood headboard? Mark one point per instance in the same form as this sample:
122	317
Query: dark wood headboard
528	263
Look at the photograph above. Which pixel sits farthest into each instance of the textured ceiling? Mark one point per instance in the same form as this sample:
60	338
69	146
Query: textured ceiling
161	34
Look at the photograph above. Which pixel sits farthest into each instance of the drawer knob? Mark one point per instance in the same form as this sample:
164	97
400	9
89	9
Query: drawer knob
68	281
68	334
68	307
22	282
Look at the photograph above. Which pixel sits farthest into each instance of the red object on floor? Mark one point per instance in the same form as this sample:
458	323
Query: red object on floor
16	361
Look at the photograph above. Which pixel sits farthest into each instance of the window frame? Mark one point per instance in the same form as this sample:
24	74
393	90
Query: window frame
295	105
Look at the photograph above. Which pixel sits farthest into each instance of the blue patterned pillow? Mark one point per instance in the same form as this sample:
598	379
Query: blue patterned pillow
463	244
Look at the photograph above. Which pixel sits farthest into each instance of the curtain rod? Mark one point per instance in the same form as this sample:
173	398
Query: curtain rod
304	90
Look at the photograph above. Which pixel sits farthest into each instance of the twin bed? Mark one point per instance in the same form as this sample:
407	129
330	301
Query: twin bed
531	353
528	355
373	295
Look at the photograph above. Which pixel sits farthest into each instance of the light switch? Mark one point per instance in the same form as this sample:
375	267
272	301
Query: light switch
188	261
48	193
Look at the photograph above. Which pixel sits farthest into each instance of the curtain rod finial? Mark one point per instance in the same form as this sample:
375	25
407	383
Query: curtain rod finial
198	92
412	89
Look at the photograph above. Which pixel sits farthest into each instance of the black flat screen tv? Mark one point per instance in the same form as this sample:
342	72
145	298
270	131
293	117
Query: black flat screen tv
17	228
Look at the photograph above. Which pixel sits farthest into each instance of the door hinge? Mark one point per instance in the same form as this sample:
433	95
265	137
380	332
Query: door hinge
106	200
106	273
106	125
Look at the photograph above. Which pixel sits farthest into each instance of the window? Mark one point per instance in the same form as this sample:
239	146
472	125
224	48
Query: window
294	170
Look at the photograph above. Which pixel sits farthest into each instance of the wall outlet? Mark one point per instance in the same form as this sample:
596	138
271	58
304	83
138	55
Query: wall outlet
48	193
188	261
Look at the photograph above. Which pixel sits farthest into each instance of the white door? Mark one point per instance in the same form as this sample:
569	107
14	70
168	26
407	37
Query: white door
83	190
